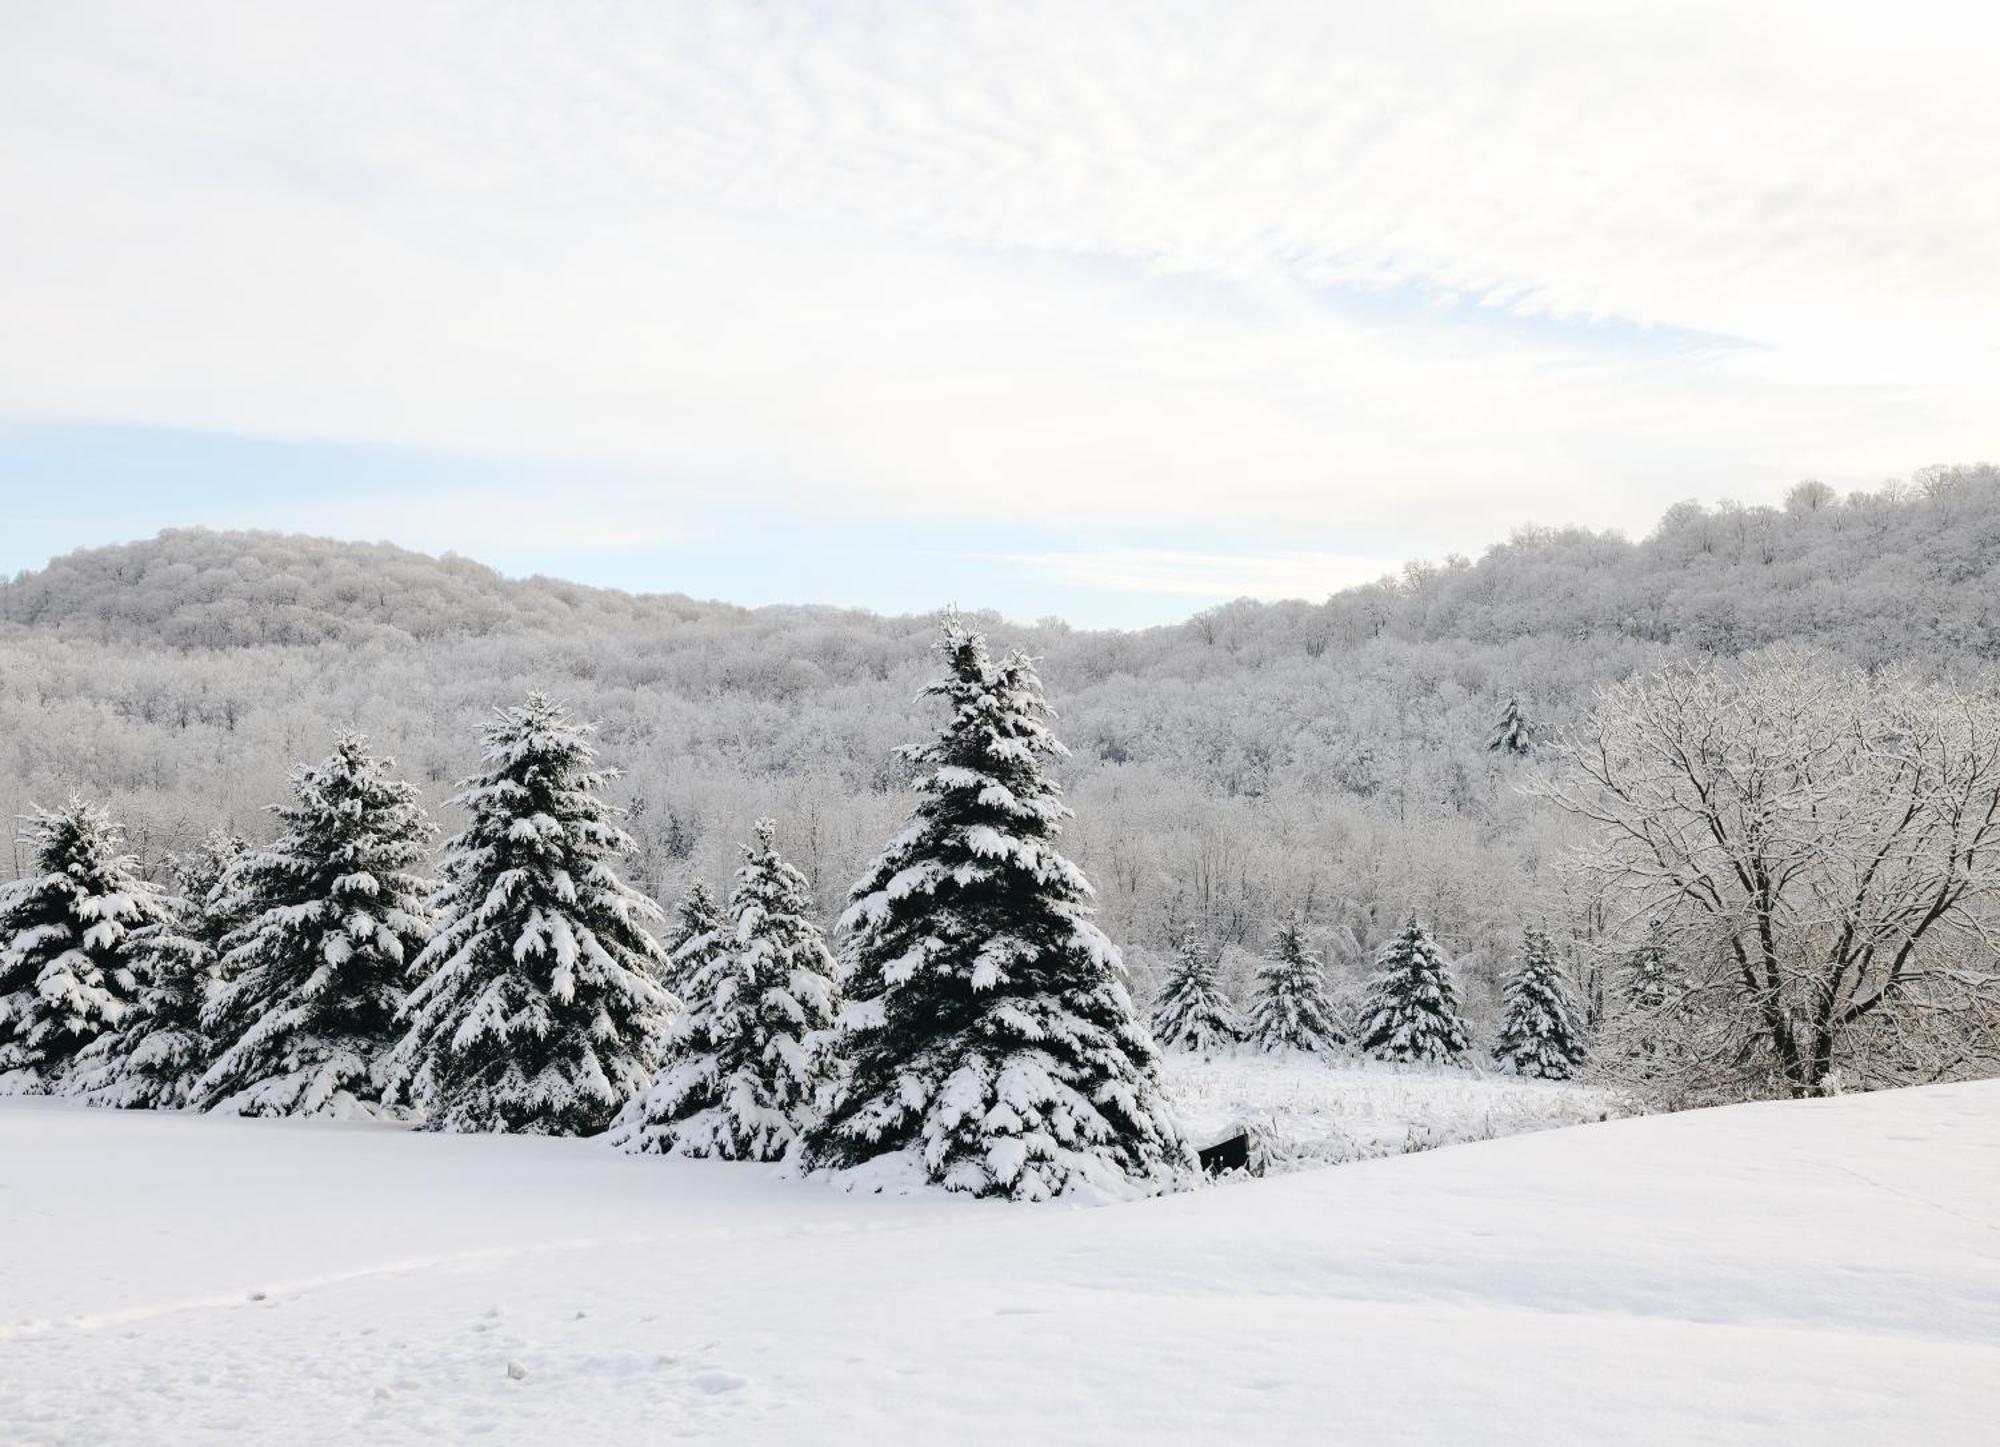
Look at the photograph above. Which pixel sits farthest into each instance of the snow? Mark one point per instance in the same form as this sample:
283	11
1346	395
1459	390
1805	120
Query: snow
1820	1272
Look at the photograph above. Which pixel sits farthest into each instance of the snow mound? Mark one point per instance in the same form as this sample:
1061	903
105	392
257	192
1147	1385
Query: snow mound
1822	1272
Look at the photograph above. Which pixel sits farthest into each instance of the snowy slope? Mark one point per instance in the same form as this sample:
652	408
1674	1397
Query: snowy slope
1816	1273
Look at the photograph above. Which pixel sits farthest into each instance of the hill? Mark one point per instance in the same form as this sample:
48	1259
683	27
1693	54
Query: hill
1814	1272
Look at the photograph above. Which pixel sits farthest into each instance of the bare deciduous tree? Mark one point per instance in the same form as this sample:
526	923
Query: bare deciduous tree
1820	845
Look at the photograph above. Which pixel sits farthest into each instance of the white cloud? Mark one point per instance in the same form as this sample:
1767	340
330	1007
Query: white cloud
990	262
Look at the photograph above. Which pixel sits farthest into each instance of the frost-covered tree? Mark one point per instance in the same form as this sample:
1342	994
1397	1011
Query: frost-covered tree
700	934
1540	1032
1650	977
332	917
1515	735
1292	1010
1411	1012
70	944
744	1065
989	1031
152	1058
1192	1012
200	878
540	1007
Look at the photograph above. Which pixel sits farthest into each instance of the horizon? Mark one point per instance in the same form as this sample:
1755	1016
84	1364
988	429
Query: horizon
1112	317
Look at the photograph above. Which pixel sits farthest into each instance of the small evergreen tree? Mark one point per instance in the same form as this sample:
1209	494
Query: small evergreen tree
700	934
540	1009
1292	1011
1411	1012
1192	1012
1539	1031
1515	735
989	1031
331	917
744	1070
153	1057
1651	979
71	937
201	878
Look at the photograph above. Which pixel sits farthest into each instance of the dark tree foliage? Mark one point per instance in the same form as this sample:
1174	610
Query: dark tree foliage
1411	1014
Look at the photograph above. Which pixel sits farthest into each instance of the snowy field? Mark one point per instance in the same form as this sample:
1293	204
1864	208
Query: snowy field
1814	1273
1311	1113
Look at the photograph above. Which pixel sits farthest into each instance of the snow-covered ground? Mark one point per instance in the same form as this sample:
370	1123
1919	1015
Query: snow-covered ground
1309	1112
1816	1273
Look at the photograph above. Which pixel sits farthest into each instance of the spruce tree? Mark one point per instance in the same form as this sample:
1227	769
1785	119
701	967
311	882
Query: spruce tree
1292	1011
72	935
201	879
1651	979
1192	1012
332	916
1411	1013
1515	734
989	1031
1539	1031
700	933
540	1008
744	1068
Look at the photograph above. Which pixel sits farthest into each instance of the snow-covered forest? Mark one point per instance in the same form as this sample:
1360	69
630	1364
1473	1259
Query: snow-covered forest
1389	752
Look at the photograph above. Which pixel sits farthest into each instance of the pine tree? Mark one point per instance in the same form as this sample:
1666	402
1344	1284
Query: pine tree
331	916
200	878
744	1069
1192	1012
71	938
1651	978
1292	1012
700	933
1515	735
989	1030
540	1010
1539	1031
1411	1012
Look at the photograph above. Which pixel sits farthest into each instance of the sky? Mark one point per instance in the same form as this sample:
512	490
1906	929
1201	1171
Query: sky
1110	311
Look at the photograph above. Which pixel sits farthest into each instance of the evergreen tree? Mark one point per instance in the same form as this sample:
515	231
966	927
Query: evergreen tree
1192	1012
1411	1013
71	938
700	933
201	879
744	1068
1292	1012
540	1010
989	1030
1515	735
1539	1031
1651	978
152	1058
331	917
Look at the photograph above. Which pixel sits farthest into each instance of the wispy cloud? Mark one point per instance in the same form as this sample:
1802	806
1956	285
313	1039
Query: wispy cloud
1415	272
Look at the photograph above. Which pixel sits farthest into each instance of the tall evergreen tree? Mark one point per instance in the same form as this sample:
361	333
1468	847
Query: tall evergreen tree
744	1068
989	1029
1292	1011
1192	1012
71	935
1515	735
1540	1034
540	1010
331	916
1411	1013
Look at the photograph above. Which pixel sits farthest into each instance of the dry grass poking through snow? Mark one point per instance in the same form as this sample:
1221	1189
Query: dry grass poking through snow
1309	1112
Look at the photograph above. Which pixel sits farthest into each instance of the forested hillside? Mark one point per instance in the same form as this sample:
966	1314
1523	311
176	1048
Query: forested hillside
1330	757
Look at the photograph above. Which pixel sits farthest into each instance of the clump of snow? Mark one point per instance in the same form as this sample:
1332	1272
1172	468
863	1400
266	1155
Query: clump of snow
1306	1111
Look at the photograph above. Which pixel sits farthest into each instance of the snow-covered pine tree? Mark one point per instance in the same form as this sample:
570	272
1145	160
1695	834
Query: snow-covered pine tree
331	916
1411	1012
989	1031
1192	1012
1540	1033
69	945
1651	979
1292	1011
744	1068
1515	735
200	877
540	1008
152	1058
700	933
